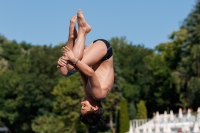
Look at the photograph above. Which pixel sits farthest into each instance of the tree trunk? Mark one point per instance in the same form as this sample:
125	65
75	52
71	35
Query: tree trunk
111	123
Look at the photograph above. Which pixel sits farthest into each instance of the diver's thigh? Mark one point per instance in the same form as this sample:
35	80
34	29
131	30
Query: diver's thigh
94	52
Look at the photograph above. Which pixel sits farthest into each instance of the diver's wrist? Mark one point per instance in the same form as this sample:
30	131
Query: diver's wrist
75	61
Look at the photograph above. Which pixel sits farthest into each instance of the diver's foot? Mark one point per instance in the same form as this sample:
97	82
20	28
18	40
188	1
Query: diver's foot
72	28
82	25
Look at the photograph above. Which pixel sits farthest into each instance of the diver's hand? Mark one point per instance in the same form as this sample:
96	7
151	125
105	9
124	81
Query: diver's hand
62	61
67	53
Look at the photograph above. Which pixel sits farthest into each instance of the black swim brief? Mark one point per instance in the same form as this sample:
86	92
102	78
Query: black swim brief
109	49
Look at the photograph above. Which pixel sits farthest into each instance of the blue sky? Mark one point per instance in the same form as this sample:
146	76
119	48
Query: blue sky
45	22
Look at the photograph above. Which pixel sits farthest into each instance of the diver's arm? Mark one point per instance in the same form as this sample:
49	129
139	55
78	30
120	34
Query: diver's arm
95	86
85	81
62	66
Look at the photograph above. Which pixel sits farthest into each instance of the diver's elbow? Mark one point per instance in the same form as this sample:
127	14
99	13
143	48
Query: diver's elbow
91	73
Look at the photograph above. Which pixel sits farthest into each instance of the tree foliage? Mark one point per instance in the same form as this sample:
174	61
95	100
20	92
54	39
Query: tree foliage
141	110
123	117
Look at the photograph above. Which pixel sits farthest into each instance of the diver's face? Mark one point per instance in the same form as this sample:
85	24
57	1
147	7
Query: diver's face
85	107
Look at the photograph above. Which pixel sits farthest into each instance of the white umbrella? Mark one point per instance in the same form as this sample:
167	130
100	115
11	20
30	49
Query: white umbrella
188	114
157	117
171	115
196	128
180	114
165	116
198	117
198	113
198	110
131	128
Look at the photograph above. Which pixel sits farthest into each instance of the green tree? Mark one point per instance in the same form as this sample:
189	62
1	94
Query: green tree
191	56
187	75
69	94
26	84
123	117
158	88
141	110
48	124
133	69
132	111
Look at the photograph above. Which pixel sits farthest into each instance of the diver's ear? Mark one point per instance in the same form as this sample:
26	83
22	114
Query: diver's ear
95	108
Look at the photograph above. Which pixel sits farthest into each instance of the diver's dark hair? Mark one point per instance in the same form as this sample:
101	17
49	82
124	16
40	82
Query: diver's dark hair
93	117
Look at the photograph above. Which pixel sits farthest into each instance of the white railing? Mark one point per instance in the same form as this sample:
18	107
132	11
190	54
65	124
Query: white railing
167	123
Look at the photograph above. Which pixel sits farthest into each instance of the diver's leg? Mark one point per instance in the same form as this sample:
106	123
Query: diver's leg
78	47
94	52
83	29
72	33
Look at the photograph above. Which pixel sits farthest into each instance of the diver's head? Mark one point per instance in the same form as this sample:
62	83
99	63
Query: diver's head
91	112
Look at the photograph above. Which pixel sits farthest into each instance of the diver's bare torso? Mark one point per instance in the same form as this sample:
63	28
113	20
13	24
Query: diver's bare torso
105	74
